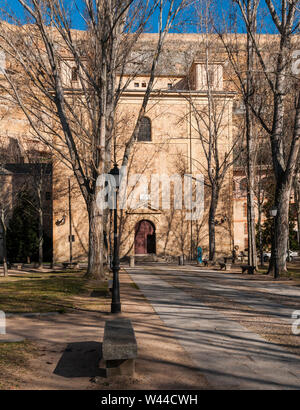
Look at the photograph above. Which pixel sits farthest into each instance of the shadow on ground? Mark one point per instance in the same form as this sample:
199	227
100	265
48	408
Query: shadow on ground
80	359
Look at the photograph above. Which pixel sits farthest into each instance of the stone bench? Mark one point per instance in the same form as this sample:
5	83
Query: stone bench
119	348
249	269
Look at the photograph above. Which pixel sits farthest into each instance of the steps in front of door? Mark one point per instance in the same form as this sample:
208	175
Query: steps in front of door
150	257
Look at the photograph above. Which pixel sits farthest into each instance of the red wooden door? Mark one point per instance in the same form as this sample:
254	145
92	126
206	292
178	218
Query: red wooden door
144	236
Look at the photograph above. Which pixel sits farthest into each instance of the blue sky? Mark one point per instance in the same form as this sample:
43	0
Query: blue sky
221	12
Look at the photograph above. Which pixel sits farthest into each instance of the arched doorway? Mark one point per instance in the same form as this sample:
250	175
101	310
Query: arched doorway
144	241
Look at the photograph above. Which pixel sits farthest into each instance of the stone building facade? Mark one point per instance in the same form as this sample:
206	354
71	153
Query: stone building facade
169	145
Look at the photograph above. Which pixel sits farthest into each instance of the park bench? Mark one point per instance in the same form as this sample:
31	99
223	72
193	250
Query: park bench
249	269
119	348
225	265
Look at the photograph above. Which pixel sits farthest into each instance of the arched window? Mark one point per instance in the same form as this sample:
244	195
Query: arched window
145	130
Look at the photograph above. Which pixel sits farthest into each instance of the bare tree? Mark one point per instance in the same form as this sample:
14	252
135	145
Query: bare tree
39	175
74	81
279	82
296	187
263	188
243	62
271	94
8	153
251	10
211	121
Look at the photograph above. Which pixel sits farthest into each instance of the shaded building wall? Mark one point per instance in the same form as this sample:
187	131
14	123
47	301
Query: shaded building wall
173	143
18	178
61	217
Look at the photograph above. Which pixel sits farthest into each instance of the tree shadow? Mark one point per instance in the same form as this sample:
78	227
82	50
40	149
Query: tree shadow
80	359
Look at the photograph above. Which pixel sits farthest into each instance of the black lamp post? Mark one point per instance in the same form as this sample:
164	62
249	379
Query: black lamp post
273	213
115	303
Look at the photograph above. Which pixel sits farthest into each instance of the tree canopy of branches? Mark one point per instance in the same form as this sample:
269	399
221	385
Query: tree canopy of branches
68	83
271	93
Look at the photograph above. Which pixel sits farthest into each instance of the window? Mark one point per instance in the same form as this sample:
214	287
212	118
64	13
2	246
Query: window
245	228
136	85
145	130
144	85
211	77
245	209
243	185
2	62
209	74
170	86
74	74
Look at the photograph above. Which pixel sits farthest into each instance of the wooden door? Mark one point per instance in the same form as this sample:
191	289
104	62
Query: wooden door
144	238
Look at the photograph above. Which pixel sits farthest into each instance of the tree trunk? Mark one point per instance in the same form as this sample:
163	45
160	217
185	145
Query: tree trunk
284	180
297	203
41	238
211	222
298	227
95	261
250	140
5	270
282	229
261	252
39	190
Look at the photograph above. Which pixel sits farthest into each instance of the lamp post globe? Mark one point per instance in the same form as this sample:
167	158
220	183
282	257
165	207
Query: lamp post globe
115	172
273	212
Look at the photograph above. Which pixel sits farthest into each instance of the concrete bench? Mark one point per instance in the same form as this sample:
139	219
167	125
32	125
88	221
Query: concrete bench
119	348
249	269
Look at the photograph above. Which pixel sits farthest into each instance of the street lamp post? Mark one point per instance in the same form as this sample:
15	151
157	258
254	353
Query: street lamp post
273	213
115	303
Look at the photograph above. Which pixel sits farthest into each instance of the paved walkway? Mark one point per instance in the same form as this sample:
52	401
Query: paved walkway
247	292
68	349
226	353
